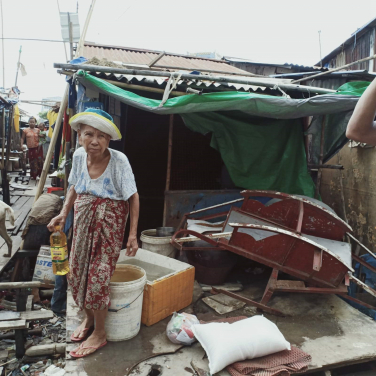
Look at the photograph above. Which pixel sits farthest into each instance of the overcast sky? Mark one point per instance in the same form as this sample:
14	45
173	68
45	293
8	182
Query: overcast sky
267	31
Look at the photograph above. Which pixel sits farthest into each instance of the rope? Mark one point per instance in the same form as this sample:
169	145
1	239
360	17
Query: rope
126	306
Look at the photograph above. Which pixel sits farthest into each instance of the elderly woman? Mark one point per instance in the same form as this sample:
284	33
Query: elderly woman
102	184
31	135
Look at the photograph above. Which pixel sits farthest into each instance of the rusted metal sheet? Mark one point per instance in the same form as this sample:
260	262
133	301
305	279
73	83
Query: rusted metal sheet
285	210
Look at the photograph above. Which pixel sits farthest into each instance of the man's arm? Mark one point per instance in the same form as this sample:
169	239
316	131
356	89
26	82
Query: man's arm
23	139
362	127
132	245
61	218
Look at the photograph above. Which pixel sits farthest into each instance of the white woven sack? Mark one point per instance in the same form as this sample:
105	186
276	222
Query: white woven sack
246	339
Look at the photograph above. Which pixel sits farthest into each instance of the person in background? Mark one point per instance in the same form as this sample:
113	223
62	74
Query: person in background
362	125
42	139
103	192
31	135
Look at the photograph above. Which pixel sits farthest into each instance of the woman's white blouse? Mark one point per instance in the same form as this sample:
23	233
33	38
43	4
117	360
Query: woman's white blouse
117	181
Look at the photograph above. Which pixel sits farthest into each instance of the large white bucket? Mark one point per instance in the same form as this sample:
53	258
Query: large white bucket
127	291
160	245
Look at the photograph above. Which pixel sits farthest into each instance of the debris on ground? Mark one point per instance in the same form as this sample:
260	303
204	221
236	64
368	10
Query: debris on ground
51	331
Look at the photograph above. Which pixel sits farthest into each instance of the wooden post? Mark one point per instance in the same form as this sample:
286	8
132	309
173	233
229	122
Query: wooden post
3	139
322	141
67	156
70	25
6	193
20	334
51	148
169	158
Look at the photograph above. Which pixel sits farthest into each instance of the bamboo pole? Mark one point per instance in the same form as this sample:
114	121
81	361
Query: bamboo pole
169	159
144	88
63	104
156	59
51	148
185	76
322	142
334	70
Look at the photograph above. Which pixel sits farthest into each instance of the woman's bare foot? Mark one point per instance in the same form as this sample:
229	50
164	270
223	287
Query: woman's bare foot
95	341
81	331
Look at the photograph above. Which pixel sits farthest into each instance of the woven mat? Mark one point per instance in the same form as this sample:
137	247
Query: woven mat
283	363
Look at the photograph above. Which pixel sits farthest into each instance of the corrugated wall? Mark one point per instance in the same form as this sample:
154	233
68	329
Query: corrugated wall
358	179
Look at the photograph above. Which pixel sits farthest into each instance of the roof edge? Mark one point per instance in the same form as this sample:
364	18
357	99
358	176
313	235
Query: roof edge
93	44
358	33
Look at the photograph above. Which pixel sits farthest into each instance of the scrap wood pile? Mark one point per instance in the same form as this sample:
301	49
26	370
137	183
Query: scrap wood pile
32	337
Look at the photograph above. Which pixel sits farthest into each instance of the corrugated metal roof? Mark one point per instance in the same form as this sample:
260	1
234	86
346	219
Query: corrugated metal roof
128	55
353	75
274	64
350	41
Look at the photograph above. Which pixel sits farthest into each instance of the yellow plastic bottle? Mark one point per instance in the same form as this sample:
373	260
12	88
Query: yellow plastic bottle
59	252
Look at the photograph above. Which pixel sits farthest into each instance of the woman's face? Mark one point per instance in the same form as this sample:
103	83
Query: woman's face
41	127
93	141
32	123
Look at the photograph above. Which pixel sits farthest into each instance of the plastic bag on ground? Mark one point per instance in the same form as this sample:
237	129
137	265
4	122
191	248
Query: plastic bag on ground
179	329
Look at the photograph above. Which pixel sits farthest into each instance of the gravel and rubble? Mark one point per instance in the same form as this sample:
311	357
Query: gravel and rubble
51	332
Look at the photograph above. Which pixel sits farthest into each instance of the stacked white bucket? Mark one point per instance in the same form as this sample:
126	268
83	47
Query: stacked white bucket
127	297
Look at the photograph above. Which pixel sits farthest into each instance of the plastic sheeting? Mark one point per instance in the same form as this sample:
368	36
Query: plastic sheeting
250	103
259	137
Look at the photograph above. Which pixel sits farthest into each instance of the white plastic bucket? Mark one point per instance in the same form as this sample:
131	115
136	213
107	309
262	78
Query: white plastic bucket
160	245
127	291
43	267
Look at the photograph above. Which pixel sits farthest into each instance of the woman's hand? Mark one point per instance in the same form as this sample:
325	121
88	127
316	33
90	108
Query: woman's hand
57	221
132	246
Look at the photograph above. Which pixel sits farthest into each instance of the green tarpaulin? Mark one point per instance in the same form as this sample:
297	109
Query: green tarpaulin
260	137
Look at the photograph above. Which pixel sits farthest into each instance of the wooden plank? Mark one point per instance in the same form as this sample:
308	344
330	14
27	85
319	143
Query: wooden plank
36	315
25	212
13	199
13	324
9	306
29	303
17	240
8	315
18	285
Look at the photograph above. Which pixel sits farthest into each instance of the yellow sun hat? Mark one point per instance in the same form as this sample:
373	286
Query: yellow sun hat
97	119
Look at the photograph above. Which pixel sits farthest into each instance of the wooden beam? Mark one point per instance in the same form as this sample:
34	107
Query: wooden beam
266	82
156	59
13	324
18	285
144	88
9	315
51	349
36	315
322	142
